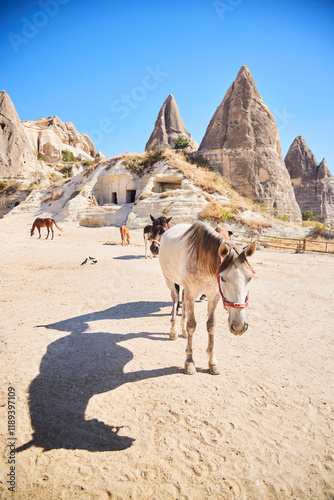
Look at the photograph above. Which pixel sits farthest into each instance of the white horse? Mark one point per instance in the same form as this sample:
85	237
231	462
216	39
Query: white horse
196	257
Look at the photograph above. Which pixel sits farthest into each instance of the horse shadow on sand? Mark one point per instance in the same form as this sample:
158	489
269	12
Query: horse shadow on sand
77	367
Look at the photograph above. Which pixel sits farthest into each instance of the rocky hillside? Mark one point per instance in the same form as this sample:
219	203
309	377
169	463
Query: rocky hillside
313	184
128	188
24	144
242	142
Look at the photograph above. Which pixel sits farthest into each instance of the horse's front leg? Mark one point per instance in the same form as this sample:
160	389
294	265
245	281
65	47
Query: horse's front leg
210	324
39	232
146	243
53	233
189	301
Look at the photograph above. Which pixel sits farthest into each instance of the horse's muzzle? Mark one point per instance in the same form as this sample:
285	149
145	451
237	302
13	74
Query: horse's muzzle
238	329
154	249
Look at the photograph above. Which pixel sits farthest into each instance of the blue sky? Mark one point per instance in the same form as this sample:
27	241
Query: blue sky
107	66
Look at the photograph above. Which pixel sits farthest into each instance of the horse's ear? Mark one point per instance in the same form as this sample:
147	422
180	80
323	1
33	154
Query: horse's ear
223	250
250	249
152	218
230	233
169	219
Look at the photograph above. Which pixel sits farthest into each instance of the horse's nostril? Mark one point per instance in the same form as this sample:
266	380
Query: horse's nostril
246	326
232	328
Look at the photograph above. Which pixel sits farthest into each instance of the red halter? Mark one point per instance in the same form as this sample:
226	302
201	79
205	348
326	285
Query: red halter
236	305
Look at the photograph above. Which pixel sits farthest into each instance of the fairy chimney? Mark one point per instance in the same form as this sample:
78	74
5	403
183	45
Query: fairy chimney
313	184
169	127
242	142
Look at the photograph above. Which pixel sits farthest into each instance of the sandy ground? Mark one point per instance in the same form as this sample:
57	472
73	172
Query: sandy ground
103	408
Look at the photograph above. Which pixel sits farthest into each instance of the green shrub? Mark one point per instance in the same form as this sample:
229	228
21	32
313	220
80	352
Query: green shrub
181	143
308	215
68	156
226	214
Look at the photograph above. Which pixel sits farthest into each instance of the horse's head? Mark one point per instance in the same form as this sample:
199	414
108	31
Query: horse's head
234	276
157	232
161	221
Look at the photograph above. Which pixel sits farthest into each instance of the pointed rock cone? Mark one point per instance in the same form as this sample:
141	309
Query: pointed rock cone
169	127
300	161
17	159
313	184
242	142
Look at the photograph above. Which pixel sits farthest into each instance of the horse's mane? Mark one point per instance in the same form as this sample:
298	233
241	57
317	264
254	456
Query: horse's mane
203	244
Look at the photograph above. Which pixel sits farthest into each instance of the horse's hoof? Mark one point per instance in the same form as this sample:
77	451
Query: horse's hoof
173	335
190	368
214	369
184	335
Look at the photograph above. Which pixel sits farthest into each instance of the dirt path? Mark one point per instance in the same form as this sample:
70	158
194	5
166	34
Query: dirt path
103	405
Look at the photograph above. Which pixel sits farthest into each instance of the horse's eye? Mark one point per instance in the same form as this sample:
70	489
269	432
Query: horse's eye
222	279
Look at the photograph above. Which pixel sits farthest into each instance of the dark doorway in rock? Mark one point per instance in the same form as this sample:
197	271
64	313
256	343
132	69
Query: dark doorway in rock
114	198
130	195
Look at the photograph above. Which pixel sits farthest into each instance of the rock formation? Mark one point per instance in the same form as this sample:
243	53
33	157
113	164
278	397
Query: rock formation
22	144
313	184
49	137
242	142
16	156
168	127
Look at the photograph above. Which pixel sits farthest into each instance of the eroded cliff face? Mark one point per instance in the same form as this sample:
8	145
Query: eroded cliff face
168	127
242	142
49	137
23	144
313	184
17	160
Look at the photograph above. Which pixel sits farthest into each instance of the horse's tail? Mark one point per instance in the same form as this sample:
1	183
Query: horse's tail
177	288
60	229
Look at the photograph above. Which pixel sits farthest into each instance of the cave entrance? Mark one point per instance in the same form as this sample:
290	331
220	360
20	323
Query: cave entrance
131	195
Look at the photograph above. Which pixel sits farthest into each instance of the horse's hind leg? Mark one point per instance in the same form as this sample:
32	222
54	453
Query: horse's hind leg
48	232
188	304
175	297
210	324
183	318
52	231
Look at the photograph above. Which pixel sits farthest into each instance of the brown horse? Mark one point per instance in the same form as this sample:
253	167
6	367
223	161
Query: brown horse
125	235
46	222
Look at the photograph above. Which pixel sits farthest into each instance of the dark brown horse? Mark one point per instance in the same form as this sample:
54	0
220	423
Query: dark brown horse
160	225
149	230
46	222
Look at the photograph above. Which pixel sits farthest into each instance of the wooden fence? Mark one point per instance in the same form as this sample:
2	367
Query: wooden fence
299	245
